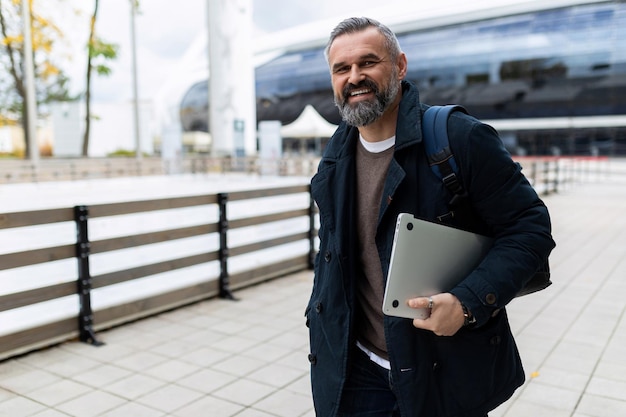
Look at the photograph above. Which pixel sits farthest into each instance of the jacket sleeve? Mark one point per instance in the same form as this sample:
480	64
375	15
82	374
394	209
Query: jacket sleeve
505	201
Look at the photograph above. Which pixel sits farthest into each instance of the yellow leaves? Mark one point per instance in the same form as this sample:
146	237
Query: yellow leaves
49	70
13	40
42	43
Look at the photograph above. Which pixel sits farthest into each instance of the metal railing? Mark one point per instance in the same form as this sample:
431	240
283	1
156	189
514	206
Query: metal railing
548	175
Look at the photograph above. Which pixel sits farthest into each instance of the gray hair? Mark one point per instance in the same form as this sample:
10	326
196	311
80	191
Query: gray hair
358	24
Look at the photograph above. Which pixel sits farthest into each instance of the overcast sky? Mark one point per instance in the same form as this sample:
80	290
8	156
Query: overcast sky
165	30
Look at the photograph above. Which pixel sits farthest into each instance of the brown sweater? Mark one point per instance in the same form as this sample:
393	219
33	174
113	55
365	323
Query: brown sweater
371	170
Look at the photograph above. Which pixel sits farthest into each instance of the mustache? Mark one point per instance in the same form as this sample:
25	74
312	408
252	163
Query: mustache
363	84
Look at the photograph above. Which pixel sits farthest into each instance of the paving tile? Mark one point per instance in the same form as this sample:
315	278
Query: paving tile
244	392
134	410
171	370
134	386
560	378
275	375
301	385
202	337
576	357
285	404
58	392
102	375
234	344
267	352
218	407
107	352
173	348
205	356
6	395
49	413
25	382
609	388
60	362
550	397
238	365
20	407
599	406
523	408
91	405
615	370
231	327
129	336
206	380
169	398
140	360
251	412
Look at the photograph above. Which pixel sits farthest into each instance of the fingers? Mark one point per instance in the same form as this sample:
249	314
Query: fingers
422	302
446	316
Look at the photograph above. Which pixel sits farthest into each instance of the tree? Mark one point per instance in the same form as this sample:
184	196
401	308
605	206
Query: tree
50	82
98	53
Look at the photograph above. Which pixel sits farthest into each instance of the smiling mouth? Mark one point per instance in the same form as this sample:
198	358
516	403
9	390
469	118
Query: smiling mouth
360	92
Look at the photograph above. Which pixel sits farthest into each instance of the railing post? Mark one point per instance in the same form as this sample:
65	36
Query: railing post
85	315
311	230
556	175
546	175
224	290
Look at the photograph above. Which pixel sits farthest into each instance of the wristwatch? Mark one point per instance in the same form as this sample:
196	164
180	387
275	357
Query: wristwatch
469	319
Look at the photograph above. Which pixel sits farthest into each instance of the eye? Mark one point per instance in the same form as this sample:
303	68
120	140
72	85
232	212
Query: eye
341	70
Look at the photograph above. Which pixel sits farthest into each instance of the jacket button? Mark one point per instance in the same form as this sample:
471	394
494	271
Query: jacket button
491	299
318	308
327	256
495	340
312	359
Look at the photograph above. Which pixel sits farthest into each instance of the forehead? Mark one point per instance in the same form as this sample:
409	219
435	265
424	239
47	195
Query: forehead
352	46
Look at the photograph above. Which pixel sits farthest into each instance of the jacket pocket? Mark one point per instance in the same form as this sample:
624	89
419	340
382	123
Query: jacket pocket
477	369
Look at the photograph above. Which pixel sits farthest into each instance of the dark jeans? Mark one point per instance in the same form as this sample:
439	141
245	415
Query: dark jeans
368	391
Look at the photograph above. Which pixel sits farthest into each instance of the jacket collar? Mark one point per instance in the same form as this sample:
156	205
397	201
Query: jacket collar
408	129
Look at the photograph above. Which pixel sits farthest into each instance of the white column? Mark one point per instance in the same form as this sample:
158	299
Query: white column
232	102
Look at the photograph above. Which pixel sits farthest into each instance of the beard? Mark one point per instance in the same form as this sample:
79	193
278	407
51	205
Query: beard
364	113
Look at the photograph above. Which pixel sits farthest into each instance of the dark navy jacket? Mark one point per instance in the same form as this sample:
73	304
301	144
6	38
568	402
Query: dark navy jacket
477	369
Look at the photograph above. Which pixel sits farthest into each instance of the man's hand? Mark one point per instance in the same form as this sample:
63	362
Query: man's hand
446	315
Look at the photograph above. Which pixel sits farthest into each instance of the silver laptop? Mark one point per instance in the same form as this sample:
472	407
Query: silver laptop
426	259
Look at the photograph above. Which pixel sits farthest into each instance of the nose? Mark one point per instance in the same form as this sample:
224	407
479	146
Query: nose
356	76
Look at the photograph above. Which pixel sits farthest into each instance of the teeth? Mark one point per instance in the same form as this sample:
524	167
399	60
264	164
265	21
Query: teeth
357	92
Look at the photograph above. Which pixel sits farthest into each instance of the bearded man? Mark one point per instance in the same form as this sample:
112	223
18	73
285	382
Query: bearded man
462	360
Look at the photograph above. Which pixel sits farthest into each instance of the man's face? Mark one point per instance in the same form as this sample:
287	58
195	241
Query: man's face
365	81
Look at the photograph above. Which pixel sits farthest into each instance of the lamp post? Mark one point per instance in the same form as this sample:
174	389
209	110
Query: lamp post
29	78
133	10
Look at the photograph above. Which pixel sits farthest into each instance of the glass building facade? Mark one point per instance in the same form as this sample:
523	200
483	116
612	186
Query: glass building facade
566	62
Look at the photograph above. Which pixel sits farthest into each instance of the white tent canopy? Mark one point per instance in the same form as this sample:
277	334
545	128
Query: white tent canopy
308	125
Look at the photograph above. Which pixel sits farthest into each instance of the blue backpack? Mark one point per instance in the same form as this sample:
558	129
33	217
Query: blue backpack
442	162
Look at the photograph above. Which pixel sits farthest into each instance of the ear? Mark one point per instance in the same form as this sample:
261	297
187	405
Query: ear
402	65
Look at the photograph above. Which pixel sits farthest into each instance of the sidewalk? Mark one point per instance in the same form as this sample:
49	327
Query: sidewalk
248	358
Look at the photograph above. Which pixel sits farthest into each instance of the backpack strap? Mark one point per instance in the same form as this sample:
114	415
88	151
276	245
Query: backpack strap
438	152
